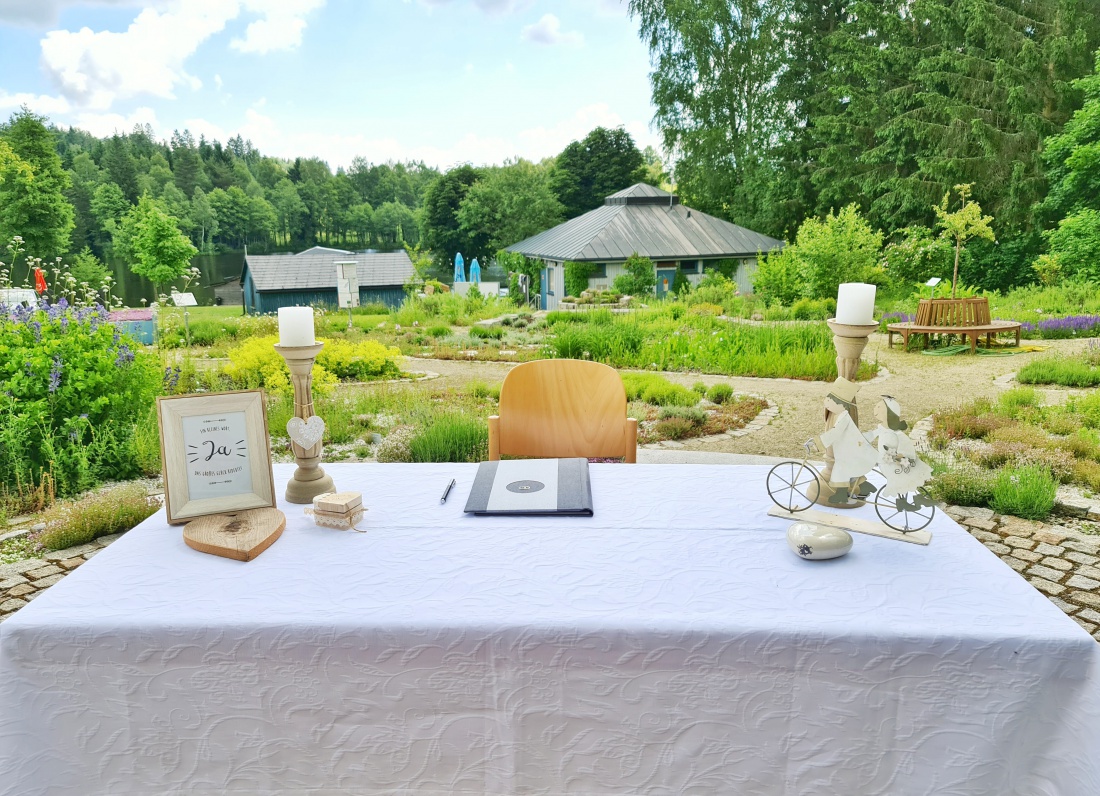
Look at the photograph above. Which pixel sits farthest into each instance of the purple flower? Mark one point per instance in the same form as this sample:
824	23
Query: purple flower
36	327
29	367
171	378
125	355
55	374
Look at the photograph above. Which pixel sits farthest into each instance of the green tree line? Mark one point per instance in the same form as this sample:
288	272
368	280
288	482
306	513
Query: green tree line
64	190
783	110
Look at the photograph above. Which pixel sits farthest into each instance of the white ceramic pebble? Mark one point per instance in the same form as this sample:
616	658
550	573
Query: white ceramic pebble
817	542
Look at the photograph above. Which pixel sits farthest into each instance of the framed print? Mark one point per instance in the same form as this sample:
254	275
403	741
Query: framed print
216	454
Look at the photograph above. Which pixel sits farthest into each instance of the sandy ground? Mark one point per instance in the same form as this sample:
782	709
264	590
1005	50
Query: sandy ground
923	384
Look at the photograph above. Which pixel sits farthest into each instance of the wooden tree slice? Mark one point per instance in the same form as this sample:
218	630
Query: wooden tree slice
242	536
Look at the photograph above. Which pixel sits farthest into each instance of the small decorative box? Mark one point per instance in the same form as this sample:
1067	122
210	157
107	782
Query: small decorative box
341	510
338	502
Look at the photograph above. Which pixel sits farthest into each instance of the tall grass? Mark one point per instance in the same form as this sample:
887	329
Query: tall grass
1060	370
451	437
655	340
1026	492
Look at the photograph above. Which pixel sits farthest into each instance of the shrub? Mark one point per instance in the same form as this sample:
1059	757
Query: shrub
114	510
1088	407
699	387
639	277
692	414
363	361
1026	492
1083	444
706	309
963	486
74	391
1087	473
1014	401
813	309
255	364
481	390
395	447
439	331
451	437
657	390
675	428
487	332
1030	436
976	421
719	393
1060	370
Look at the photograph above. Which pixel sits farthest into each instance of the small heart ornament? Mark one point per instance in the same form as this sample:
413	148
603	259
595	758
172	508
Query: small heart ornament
306	433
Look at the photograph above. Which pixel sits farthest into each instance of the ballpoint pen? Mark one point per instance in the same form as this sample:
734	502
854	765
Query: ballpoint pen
447	491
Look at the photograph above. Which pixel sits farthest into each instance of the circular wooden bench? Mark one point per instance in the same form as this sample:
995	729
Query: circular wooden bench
967	317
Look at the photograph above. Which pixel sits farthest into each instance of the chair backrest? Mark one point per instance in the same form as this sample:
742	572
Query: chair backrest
972	311
560	408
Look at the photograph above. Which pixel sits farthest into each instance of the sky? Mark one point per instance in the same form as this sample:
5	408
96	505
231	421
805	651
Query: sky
442	81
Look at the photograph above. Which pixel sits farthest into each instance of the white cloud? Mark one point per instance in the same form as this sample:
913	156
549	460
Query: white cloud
107	124
39	103
46	12
281	27
548	31
339	149
96	68
496	7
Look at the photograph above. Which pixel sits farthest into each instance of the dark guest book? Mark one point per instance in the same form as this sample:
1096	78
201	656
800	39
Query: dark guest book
532	486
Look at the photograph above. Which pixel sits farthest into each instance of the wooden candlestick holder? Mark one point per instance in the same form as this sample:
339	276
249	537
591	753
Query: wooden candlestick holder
850	341
309	479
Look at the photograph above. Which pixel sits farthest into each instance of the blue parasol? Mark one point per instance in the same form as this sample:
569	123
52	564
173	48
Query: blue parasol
460	268
475	272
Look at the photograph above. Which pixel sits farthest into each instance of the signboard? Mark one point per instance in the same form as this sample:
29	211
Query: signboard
184	300
347	284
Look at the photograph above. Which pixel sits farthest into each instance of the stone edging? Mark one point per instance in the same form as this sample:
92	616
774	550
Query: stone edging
22	581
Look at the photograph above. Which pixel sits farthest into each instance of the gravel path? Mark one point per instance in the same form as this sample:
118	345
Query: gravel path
921	383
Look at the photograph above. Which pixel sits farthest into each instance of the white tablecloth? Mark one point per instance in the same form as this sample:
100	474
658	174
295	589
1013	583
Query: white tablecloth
671	644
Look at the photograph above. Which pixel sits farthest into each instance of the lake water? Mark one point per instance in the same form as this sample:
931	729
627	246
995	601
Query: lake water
215	269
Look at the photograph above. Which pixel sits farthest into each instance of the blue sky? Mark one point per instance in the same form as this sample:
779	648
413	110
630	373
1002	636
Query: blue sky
444	81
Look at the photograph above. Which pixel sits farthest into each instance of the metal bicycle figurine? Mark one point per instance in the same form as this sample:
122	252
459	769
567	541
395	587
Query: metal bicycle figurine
794	486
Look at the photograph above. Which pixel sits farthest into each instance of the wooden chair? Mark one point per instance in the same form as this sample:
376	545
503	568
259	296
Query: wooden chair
563	408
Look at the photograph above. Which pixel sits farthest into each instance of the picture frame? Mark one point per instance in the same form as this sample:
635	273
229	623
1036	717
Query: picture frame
216	454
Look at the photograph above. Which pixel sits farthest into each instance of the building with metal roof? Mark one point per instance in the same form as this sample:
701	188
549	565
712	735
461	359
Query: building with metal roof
653	223
309	278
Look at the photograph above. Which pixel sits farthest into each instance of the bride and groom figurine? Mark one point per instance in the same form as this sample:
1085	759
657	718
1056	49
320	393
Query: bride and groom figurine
854	454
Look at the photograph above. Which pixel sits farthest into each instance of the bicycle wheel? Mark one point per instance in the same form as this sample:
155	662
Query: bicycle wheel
906	513
792	485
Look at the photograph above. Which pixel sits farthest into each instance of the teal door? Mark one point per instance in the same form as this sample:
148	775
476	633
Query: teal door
665	280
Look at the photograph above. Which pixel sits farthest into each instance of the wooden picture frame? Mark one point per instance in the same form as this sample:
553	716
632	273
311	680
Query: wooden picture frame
216	454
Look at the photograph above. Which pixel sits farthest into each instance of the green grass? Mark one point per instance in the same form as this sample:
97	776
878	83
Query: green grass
1026	492
1063	371
655	340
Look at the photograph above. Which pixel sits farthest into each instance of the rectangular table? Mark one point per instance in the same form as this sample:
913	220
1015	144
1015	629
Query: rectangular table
671	644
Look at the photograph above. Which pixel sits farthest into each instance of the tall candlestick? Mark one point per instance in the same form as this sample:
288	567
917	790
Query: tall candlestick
855	304
296	326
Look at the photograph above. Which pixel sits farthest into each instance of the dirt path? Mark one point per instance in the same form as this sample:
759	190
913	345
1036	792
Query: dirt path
922	384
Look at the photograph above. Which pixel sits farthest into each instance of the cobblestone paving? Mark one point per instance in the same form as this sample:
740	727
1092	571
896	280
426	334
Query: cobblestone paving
24	580
1062	563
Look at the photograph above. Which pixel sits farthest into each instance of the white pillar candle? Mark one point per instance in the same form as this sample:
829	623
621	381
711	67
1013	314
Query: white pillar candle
296	326
855	304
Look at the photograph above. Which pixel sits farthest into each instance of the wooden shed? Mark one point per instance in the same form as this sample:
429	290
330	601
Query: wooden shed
654	224
309	278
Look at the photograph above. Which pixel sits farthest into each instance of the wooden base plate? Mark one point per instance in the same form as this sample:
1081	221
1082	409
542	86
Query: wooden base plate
851	524
242	536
